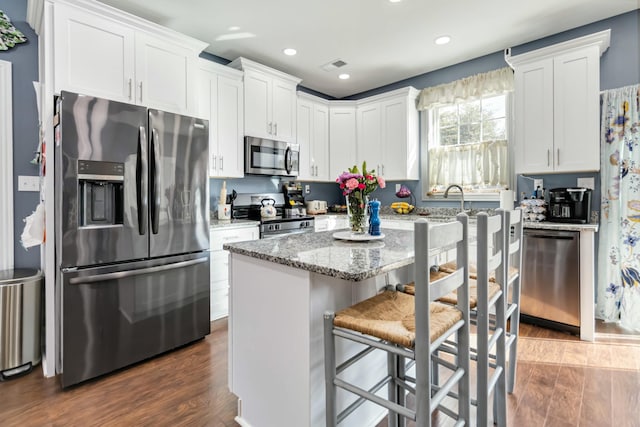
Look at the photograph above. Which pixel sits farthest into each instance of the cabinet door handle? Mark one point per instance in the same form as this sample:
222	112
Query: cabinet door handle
275	126
382	174
221	162
558	157
140	91
213	166
548	160
130	88
270	130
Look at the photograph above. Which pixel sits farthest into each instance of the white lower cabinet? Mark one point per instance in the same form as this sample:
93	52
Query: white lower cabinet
219	276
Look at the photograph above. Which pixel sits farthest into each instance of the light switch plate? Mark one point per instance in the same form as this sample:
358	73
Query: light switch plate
398	187
586	182
307	189
28	183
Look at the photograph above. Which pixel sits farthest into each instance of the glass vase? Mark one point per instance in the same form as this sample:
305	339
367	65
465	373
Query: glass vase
358	212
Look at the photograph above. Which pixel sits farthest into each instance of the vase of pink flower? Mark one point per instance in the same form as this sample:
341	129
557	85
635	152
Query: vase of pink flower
356	188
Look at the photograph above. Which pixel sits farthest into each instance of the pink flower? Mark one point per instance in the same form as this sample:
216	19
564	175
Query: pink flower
352	184
381	182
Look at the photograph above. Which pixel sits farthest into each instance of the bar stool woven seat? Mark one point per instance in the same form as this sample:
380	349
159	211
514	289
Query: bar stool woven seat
452	298
390	316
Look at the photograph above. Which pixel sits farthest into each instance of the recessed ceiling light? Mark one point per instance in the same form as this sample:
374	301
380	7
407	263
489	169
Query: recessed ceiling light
234	28
395	1
442	40
344	76
290	51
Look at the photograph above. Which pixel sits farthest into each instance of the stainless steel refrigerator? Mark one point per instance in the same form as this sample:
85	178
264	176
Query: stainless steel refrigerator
132	234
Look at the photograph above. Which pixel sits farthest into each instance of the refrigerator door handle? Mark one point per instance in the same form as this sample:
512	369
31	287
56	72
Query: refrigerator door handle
142	169
129	273
154	177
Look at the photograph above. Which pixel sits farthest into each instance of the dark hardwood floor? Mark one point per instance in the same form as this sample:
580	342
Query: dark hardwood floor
561	382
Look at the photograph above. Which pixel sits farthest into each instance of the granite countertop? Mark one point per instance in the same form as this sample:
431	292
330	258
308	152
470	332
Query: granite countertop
322	253
544	225
233	223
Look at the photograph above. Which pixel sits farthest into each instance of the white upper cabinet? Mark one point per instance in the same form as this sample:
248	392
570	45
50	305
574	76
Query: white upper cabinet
101	51
270	101
342	137
221	101
313	137
557	106
388	134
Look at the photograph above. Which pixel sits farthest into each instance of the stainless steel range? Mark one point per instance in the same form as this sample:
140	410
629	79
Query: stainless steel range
268	208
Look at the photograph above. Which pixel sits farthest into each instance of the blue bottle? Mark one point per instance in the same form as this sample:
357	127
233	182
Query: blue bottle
374	218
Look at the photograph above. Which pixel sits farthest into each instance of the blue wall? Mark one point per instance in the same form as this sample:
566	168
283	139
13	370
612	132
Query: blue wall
24	60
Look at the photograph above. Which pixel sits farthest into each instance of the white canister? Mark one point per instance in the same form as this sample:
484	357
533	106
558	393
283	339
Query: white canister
506	199
224	212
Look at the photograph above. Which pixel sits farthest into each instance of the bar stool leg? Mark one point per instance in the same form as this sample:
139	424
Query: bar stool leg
330	371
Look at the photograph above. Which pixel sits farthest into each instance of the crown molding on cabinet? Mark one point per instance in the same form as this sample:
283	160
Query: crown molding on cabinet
242	63
35	11
600	39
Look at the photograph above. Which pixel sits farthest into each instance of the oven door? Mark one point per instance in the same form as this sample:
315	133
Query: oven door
269	157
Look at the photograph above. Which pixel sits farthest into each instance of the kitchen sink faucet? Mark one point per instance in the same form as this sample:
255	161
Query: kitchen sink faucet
446	195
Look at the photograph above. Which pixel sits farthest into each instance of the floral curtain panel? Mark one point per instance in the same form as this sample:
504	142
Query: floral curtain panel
9	35
619	241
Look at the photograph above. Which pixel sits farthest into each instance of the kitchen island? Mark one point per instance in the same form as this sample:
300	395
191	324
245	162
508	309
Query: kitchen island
279	291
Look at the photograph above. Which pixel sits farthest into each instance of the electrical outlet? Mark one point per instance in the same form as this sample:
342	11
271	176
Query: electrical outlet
307	189
586	182
398	187
538	183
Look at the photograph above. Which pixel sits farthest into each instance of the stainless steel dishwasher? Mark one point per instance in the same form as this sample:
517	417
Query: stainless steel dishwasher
551	279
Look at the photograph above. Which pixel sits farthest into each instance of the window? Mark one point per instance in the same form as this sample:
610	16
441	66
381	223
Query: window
468	131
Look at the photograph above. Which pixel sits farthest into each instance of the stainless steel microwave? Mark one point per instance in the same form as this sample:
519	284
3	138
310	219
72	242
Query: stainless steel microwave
269	157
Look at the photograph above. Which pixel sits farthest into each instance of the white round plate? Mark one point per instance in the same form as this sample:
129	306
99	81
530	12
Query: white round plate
347	235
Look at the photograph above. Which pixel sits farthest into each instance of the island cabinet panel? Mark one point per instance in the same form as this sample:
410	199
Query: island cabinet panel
103	52
276	349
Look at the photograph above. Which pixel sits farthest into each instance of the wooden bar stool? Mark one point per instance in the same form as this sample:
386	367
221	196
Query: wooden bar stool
408	328
486	295
512	252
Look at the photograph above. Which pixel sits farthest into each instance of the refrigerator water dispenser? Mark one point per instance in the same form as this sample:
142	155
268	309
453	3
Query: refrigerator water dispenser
101	193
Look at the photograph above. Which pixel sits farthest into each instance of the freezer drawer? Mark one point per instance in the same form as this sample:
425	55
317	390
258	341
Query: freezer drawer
551	277
117	315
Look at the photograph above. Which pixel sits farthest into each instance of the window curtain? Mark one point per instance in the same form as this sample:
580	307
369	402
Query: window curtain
619	242
476	86
477	166
481	167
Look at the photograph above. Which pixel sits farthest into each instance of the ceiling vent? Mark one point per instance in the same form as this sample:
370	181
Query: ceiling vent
334	65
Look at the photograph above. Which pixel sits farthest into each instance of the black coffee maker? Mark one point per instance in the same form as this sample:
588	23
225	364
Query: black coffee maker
293	200
570	205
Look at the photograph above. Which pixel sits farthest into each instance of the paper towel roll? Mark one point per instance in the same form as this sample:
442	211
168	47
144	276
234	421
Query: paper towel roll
506	199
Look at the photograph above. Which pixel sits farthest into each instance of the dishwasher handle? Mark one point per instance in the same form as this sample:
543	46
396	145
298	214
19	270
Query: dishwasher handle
547	236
